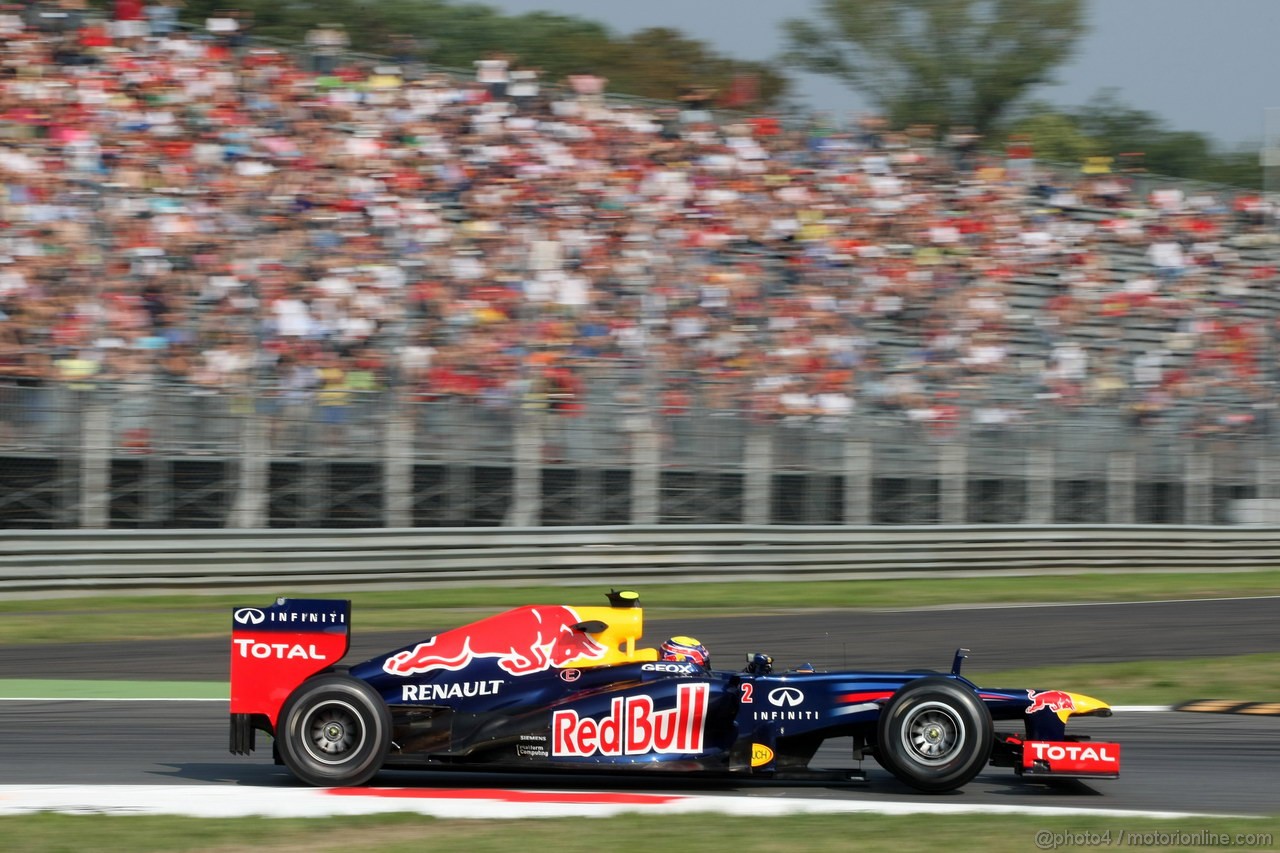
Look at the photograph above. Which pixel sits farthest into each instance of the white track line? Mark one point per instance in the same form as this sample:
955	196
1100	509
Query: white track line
1141	709
241	801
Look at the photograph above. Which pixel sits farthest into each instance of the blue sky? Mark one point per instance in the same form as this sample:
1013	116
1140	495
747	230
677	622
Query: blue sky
1211	66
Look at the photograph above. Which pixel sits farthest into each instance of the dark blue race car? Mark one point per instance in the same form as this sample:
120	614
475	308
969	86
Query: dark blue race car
554	687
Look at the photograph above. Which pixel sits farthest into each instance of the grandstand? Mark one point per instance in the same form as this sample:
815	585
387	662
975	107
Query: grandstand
236	292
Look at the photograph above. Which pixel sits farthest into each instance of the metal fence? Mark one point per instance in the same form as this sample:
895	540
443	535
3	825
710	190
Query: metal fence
138	455
33	563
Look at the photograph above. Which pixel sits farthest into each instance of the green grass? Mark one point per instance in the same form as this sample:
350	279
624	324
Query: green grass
47	833
157	617
1245	678
59	688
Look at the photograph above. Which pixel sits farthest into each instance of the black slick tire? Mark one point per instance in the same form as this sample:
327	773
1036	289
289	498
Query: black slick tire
334	730
934	734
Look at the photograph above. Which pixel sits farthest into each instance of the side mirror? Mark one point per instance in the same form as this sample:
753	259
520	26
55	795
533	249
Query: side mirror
758	664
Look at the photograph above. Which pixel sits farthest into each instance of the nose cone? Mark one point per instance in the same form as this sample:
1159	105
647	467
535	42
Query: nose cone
1085	706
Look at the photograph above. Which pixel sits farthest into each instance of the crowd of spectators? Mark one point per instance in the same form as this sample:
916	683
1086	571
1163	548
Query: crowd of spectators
182	208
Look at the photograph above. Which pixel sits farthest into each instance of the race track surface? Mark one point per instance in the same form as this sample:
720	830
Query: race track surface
1171	761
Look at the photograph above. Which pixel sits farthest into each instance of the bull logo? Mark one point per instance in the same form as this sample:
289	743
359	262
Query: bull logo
523	641
1054	700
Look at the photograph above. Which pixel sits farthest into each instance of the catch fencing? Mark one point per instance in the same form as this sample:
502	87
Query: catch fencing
142	456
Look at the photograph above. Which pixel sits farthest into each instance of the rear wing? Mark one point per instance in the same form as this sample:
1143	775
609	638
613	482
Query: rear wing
276	648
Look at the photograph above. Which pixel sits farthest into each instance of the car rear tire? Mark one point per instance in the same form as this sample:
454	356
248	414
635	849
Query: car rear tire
934	734
334	730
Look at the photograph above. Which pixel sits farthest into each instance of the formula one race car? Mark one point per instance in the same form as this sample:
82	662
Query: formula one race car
550	687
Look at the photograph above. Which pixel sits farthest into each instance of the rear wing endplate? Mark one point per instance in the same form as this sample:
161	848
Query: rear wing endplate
276	648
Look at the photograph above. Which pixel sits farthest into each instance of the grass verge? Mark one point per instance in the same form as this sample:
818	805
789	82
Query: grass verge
101	619
1244	678
104	689
47	833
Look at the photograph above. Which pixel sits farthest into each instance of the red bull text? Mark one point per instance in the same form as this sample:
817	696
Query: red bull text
633	727
524	641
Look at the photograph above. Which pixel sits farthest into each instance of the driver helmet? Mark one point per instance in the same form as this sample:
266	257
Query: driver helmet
685	649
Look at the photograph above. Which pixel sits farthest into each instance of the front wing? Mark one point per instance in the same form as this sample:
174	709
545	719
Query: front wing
1066	759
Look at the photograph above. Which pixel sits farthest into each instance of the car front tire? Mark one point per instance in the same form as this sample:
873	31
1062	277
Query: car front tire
934	734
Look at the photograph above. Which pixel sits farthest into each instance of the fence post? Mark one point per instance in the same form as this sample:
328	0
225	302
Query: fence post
95	459
1269	489
646	474
250	507
397	463
1040	474
1199	492
953	465
1122	475
857	481
757	503
526	487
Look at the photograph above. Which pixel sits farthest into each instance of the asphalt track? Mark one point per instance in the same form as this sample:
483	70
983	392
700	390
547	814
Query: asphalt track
1171	761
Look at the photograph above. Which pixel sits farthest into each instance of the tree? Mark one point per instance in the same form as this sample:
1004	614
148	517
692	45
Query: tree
660	62
943	62
1240	168
1055	137
657	63
1107	126
1117	127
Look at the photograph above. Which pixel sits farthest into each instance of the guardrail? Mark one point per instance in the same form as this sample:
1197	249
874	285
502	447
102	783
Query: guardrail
89	562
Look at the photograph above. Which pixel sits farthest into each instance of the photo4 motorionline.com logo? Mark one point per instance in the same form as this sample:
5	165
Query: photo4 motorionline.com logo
1048	840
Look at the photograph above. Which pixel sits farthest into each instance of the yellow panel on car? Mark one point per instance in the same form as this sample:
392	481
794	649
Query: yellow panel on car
625	625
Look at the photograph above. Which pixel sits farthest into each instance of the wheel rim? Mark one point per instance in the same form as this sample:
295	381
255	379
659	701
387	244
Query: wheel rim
332	732
932	733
